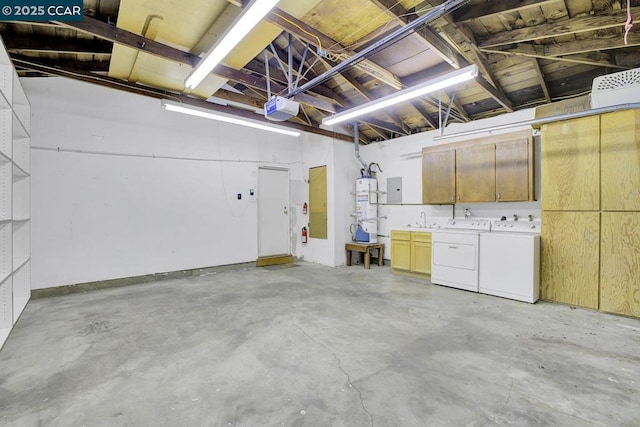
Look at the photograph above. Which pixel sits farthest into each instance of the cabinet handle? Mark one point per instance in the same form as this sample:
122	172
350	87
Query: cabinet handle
499	196
458	197
453	198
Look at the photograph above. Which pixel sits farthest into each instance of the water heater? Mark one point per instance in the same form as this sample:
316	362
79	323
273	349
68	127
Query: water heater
367	210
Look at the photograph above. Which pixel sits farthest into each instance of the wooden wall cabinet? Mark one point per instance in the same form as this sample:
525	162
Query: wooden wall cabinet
476	173
438	176
492	169
514	170
571	165
411	252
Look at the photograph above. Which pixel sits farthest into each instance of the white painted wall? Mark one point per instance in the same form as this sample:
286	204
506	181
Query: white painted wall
138	190
110	204
401	157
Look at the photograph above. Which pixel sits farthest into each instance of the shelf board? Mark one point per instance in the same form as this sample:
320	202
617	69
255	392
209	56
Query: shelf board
19	172
21	219
19	130
4	277
21	263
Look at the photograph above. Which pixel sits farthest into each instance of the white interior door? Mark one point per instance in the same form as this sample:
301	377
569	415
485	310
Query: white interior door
273	212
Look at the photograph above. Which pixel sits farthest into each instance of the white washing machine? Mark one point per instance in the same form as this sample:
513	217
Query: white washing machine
454	253
510	260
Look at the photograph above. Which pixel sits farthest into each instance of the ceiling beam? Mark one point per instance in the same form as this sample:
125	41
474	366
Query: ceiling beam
498	7
70	65
592	45
143	44
536	51
424	113
464	42
566	27
38	43
427	34
499	97
543	84
113	83
314	37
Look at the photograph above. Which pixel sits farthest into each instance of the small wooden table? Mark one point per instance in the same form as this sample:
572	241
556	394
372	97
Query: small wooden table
366	249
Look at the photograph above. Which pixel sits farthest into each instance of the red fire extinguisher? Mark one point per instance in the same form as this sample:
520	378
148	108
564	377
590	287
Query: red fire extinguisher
304	235
304	208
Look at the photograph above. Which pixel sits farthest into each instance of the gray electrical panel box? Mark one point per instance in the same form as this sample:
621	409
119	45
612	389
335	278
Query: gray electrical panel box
394	190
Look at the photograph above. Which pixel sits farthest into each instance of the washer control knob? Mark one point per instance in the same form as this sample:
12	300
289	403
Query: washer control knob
532	226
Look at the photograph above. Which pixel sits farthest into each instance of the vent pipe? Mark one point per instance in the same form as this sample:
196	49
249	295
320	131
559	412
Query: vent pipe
356	144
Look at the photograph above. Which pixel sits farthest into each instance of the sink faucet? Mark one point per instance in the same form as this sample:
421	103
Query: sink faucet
467	213
423	216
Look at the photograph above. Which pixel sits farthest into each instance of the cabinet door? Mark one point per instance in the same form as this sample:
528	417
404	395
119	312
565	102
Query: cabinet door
571	165
620	146
421	253
620	263
514	170
401	254
570	257
438	176
476	173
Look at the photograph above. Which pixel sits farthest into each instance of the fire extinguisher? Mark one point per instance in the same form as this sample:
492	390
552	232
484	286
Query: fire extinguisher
304	208
304	235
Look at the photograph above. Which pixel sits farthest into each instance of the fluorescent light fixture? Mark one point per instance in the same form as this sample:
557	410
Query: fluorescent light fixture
439	83
198	112
252	14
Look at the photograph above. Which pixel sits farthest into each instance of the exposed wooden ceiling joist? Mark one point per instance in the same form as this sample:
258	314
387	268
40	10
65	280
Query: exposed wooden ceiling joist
314	37
537	51
603	20
592	45
401	15
498	7
38	43
143	44
543	85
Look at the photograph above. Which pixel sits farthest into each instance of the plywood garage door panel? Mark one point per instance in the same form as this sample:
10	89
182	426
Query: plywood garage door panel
571	165
570	257
620	146
620	268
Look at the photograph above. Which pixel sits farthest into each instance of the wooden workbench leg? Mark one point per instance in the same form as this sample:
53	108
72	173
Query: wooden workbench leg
380	260
348	258
367	259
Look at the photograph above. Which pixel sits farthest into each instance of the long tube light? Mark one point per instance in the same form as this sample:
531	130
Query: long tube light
193	111
429	86
253	13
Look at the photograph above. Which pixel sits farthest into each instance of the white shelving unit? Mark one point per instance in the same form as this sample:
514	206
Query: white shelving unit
15	196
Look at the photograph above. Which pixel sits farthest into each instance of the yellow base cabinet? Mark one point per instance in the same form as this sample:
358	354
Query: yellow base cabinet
570	258
620	263
411	252
401	250
420	252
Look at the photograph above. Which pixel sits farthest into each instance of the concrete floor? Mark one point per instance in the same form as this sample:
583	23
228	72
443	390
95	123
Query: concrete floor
315	346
